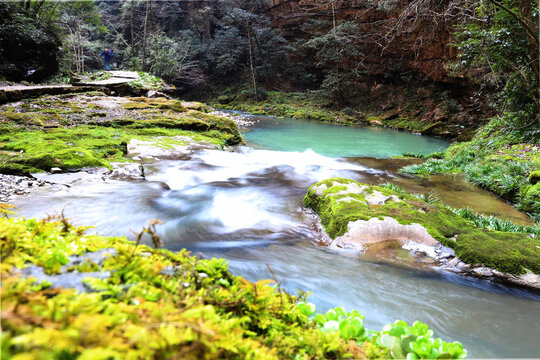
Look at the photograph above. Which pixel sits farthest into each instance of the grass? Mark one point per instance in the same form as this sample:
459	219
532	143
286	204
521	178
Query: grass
498	163
494	223
395	188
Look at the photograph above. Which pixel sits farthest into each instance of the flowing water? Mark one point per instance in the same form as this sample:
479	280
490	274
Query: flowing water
245	206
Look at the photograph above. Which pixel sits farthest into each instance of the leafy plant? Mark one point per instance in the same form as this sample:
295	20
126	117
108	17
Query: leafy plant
493	222
417	342
430	197
5	209
349	325
402	340
396	188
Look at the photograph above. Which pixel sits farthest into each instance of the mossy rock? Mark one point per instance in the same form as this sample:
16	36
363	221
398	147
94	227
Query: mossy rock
25	118
97	137
513	253
154	103
534	177
195	105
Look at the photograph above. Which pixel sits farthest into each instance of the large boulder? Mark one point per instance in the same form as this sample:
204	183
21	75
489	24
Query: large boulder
359	215
28	50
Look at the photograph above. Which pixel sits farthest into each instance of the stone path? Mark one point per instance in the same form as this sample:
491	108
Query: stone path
118	77
18	92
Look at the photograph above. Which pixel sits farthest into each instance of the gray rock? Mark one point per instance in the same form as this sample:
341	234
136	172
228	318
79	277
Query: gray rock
127	171
68	280
72	279
55	170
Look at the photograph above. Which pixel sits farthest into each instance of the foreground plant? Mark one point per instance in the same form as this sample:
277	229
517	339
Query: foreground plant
399	339
144	303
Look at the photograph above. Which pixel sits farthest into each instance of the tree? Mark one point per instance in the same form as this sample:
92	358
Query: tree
336	52
499	39
175	59
265	47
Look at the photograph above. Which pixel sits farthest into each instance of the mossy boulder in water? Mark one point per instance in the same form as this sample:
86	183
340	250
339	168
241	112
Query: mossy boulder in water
354	213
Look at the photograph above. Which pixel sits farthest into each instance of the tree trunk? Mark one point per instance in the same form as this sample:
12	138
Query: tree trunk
251	65
132	33
144	36
532	39
81	52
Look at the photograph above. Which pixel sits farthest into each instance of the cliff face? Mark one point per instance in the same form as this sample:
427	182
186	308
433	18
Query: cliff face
397	37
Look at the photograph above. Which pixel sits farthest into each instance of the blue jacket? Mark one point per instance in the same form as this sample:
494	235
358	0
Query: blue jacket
108	55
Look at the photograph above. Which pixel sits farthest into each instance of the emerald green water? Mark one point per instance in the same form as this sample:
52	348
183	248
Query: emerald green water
335	140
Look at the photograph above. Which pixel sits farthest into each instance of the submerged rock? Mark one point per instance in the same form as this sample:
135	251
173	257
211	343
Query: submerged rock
358	215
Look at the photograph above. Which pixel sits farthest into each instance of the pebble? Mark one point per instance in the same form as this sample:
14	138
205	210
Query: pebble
11	185
240	120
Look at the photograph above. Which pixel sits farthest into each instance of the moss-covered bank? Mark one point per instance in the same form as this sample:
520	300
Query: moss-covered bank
417	109
145	303
514	253
497	159
74	131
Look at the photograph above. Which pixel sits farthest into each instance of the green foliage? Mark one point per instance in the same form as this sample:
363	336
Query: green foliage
435	155
417	342
147	81
175	59
430	197
497	42
335	51
494	223
495	159
349	325
395	188
155	304
401	340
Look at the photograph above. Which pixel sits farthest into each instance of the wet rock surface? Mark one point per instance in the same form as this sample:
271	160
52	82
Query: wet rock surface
240	120
70	277
13	185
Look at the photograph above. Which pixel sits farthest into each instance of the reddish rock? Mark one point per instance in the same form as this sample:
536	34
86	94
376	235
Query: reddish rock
421	50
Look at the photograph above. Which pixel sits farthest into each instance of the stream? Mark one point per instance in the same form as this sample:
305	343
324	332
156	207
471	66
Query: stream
245	206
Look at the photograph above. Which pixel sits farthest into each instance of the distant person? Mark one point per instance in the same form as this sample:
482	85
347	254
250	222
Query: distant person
107	57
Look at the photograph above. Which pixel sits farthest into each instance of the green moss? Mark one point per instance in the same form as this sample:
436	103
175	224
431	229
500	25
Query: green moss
155	304
492	163
534	177
137	106
198	106
25	118
507	252
84	146
26	149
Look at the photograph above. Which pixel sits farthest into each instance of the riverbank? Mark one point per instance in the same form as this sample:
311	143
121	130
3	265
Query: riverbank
74	131
489	154
102	297
498	158
422	109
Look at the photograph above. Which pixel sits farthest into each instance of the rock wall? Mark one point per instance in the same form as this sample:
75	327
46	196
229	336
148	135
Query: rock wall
398	39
